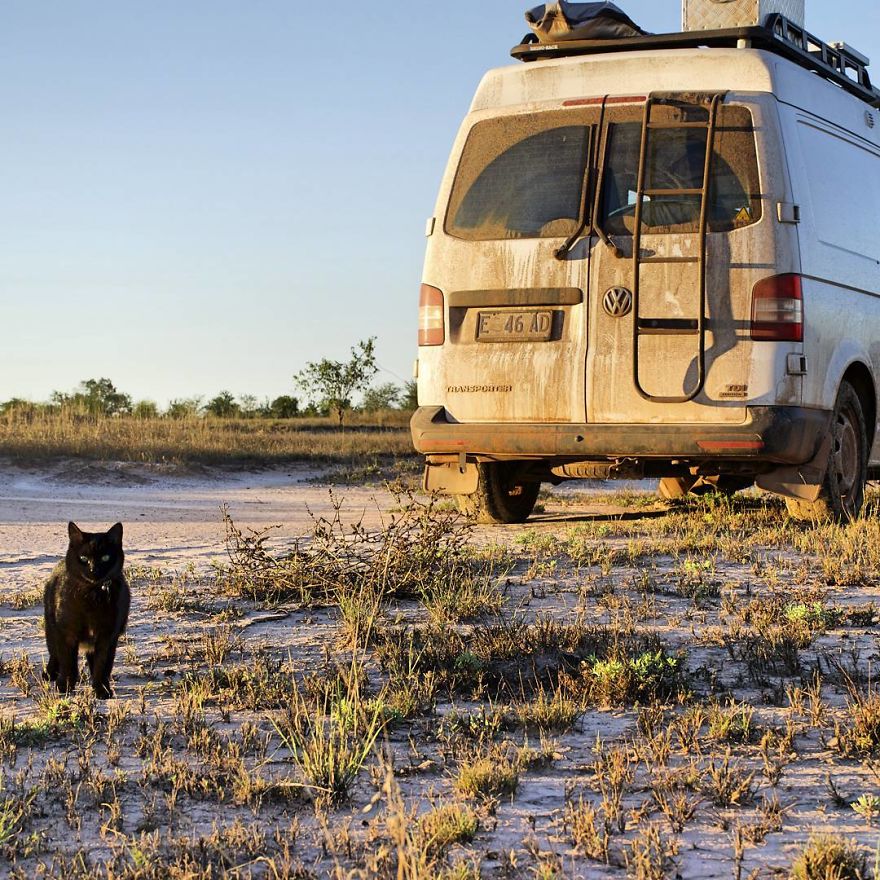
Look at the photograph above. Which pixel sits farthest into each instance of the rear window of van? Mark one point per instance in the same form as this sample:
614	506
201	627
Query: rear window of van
676	160
524	176
521	177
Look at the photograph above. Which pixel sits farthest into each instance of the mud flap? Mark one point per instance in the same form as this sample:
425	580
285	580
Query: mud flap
802	481
451	479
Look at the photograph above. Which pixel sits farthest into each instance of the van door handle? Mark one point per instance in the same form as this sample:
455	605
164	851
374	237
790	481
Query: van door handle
787	212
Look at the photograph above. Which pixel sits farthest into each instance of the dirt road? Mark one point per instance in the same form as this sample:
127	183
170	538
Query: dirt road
171	520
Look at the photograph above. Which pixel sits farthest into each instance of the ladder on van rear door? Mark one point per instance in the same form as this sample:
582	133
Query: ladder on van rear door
659	325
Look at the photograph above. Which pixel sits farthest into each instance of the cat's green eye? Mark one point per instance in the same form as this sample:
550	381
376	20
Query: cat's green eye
105	558
84	559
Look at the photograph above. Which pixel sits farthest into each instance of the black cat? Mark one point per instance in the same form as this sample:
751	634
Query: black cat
86	604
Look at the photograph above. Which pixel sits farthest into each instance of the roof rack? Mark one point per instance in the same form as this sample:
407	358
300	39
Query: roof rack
838	63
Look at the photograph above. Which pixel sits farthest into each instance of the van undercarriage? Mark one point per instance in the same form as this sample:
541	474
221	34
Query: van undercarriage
777	446
770	436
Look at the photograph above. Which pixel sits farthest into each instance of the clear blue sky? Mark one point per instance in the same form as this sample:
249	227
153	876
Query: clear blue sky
207	194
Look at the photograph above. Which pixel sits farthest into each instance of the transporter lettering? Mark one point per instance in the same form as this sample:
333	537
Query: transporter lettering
478	389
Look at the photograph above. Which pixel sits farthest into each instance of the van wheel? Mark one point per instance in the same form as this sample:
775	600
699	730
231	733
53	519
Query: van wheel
499	497
843	489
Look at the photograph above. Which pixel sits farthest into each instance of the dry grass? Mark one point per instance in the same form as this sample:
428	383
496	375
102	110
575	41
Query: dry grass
446	825
418	705
208	441
420	552
330	741
493	773
829	858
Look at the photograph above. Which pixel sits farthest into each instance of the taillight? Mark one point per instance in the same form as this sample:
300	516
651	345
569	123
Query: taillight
431	329
778	309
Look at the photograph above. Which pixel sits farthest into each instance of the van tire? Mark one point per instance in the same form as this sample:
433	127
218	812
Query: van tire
843	489
499	498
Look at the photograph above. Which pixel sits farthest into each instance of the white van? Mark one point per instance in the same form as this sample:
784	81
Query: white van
658	257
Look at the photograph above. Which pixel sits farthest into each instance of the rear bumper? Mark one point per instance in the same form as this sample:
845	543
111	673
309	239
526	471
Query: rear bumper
776	434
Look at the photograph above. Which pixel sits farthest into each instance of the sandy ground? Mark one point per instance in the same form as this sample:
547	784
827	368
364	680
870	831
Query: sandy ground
173	522
170	520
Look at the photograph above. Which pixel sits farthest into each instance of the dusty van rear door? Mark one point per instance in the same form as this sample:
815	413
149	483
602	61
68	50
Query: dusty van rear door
669	332
516	335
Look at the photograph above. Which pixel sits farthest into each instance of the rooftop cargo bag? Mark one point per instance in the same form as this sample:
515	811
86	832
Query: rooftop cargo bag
713	15
555	22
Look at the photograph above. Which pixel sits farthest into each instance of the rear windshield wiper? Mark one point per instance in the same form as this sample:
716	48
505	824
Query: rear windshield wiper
607	239
563	250
597	205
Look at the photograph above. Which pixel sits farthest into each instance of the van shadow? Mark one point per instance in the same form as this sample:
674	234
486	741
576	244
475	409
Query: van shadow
576	516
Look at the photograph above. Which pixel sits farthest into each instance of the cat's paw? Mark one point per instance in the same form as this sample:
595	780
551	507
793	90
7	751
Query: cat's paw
50	672
103	691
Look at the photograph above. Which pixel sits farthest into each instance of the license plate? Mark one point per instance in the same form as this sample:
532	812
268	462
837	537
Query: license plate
514	326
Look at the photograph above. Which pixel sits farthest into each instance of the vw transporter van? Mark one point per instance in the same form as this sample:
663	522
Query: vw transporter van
658	257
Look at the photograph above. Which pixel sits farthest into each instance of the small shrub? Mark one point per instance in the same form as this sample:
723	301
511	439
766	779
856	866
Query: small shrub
728	784
776	754
829	858
446	825
547	711
868	807
258	682
418	549
586	830
814	615
483	724
650	855
613	773
328	748
14	813
861	735
674	801
467	590
696	580
649	677
775	649
731	723
492	774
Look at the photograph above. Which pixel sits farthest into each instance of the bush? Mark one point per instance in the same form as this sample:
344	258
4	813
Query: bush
829	858
381	397
223	406
647	677
283	407
145	409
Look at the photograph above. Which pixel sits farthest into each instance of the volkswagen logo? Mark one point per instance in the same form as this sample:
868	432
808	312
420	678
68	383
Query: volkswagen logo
618	302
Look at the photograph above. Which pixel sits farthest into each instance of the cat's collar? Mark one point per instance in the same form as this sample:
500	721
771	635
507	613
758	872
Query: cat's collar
103	589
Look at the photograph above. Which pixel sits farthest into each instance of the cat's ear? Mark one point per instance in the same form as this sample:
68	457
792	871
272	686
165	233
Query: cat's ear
74	532
115	534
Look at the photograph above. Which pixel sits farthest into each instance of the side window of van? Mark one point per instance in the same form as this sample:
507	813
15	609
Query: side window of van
520	177
675	160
